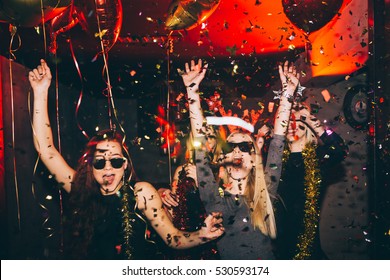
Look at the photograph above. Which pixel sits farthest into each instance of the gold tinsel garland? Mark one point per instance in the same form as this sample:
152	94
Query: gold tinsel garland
127	222
312	192
312	212
129	218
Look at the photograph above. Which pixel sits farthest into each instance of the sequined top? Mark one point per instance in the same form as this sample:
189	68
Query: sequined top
240	240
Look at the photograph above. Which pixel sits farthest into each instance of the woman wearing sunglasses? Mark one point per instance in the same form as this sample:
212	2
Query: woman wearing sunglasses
240	191
108	209
297	176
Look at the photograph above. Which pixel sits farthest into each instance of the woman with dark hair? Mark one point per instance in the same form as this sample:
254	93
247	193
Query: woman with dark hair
108	207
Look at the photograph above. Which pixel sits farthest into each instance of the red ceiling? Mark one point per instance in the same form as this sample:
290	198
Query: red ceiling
236	27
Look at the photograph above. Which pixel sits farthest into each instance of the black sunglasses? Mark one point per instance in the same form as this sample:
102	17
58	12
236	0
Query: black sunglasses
115	163
245	147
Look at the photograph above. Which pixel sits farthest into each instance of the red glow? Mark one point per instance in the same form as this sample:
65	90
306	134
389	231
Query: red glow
341	47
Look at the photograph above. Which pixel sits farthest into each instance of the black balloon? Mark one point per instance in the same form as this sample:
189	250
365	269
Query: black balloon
311	15
28	13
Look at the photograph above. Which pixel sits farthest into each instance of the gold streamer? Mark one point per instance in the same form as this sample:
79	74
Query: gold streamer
128	221
311	216
13	30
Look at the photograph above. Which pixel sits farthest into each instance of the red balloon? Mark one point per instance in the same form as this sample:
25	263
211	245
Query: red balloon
60	24
27	13
311	15
109	13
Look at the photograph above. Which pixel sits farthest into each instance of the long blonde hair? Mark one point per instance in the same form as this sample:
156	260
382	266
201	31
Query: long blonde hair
257	196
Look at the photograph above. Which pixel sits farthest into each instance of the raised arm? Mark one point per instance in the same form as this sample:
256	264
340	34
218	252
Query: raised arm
273	168
149	202
192	77
290	79
40	79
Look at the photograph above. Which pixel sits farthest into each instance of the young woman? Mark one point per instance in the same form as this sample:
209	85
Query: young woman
297	175
241	193
108	208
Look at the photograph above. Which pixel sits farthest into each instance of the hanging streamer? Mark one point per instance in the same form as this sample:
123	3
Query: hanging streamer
13	31
169	51
81	91
60	151
105	46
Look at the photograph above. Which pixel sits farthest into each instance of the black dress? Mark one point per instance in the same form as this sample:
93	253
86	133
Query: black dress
109	238
298	233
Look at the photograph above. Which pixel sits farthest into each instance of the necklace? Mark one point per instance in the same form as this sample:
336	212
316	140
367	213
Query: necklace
238	179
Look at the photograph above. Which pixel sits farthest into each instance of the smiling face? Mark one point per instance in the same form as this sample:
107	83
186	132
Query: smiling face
110	176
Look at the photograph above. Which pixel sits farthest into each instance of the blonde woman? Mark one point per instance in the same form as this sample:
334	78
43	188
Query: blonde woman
240	193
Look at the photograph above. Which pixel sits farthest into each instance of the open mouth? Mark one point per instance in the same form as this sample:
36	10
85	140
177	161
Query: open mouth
108	179
237	161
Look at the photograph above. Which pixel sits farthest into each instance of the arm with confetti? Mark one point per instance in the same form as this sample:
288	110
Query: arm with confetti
149	202
192	77
290	80
273	168
40	79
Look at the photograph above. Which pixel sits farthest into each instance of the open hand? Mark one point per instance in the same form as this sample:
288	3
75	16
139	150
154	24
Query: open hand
193	74
288	76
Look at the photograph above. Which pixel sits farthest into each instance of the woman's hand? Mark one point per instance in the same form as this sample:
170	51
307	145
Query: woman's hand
168	197
212	227
40	77
190	170
193	75
311	121
289	78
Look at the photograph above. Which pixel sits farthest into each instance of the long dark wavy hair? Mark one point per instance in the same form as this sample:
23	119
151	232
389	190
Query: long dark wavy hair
85	197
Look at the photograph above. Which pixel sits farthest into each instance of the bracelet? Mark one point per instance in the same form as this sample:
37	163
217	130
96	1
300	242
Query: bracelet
290	97
280	93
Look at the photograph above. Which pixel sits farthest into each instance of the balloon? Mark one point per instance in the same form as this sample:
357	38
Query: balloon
311	15
27	13
187	14
109	25
64	21
60	24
